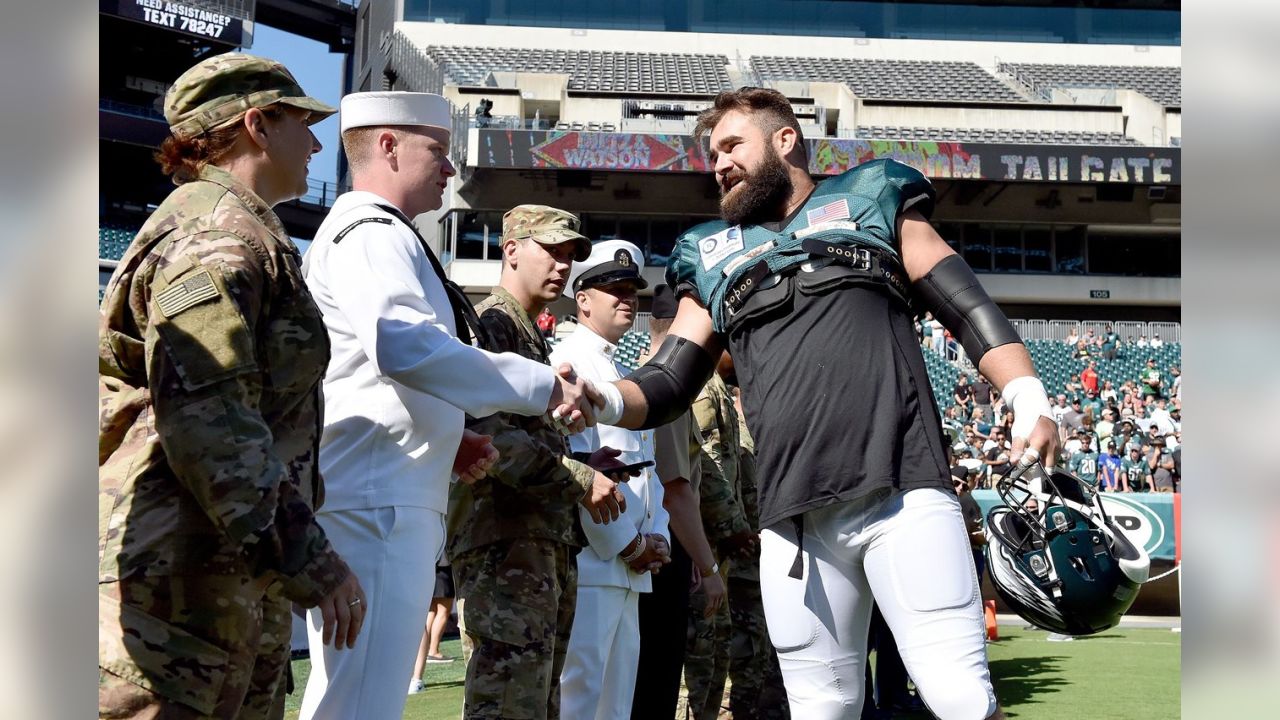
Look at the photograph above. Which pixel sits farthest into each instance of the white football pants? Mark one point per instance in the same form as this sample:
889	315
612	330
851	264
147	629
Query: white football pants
909	553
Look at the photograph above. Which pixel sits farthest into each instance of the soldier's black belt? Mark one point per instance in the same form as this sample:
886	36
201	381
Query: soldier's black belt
846	263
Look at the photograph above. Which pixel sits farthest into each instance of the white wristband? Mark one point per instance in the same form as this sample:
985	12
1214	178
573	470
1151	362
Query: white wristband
611	414
1026	397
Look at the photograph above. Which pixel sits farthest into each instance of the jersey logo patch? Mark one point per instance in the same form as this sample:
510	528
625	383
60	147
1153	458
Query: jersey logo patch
719	246
188	293
838	210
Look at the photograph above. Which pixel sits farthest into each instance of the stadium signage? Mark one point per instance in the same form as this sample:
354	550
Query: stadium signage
1139	523
179	17
1100	294
1120	164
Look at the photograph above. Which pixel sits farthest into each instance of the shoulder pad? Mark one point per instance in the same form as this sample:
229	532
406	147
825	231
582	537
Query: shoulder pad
897	187
682	267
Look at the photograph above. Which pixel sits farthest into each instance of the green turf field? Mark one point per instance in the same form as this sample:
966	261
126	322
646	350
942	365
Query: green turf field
1129	674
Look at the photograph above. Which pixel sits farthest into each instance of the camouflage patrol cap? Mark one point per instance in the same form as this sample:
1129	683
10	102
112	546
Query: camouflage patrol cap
217	90
546	226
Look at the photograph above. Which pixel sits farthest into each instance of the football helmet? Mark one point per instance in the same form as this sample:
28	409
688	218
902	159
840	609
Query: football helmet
1056	558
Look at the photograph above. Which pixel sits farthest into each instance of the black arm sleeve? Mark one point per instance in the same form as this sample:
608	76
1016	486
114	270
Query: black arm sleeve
952	292
672	379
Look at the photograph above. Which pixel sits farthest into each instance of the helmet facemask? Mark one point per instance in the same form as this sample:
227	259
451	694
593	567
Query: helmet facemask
1055	556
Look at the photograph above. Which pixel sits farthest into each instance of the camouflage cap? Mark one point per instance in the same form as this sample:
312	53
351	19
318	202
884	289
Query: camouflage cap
219	89
547	226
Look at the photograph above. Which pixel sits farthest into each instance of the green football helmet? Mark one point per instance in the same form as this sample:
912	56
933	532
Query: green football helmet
1056	558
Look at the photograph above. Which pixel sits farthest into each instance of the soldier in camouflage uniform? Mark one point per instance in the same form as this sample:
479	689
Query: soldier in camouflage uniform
209	364
706	661
515	535
755	680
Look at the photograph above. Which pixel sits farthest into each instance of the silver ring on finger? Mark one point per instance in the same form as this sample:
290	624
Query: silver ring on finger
354	603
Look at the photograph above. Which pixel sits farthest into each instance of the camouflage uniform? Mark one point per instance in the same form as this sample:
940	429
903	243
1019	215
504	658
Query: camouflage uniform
515	535
210	354
210	357
706	661
755	680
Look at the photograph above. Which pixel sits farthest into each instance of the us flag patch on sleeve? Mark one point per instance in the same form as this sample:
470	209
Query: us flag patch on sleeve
190	292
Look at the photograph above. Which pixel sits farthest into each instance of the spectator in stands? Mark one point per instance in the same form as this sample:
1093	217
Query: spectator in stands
1108	393
1059	409
1084	462
972	519
546	323
212	352
1136	472
1160	460
1110	470
1073	417
1156	342
1091	405
1142	341
1110	343
962	393
1089	378
1073	387
936	333
1152	382
1105	427
1073	337
1128	437
1176	456
1175	416
982	392
1175	389
1082	351
951	420
1161	418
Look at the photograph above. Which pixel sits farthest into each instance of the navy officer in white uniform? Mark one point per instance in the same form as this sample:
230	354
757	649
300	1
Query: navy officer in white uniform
599	674
396	390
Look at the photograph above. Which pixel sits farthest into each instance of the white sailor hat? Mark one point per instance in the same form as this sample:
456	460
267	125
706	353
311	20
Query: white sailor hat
610	261
377	109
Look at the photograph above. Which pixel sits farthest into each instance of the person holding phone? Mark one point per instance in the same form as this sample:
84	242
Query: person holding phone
599	674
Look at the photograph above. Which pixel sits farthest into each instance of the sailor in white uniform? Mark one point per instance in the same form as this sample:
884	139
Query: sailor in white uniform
599	674
396	390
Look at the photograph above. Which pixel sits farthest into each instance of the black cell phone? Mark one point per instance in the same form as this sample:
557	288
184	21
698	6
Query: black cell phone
628	468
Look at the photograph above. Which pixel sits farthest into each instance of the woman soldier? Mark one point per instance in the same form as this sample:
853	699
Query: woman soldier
210	356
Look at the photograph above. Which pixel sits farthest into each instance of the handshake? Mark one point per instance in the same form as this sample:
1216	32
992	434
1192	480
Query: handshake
647	553
576	404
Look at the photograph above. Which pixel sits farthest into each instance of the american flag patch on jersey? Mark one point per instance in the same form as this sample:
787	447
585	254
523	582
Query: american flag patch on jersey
190	292
838	210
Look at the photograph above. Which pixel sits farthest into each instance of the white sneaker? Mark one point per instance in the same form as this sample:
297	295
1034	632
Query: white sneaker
416	686
1059	637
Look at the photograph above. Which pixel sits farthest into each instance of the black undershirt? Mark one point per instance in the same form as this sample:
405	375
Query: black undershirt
836	394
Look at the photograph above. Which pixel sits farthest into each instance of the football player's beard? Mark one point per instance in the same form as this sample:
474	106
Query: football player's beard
760	196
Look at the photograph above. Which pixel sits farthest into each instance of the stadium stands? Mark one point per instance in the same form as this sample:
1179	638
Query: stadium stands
592	70
996	135
1162	84
1055	365
893	79
113	240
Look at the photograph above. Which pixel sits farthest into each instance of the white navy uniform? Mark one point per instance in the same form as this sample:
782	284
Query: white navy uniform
398	384
599	674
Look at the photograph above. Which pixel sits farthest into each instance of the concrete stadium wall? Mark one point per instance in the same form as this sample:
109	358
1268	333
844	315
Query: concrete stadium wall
1032	118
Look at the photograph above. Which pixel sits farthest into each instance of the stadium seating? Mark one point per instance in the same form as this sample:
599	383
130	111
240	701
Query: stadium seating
113	240
590	69
1055	365
1162	84
893	79
992	135
631	347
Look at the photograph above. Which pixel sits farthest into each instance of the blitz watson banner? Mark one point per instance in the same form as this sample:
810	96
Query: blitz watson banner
179	17
1147	519
523	149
